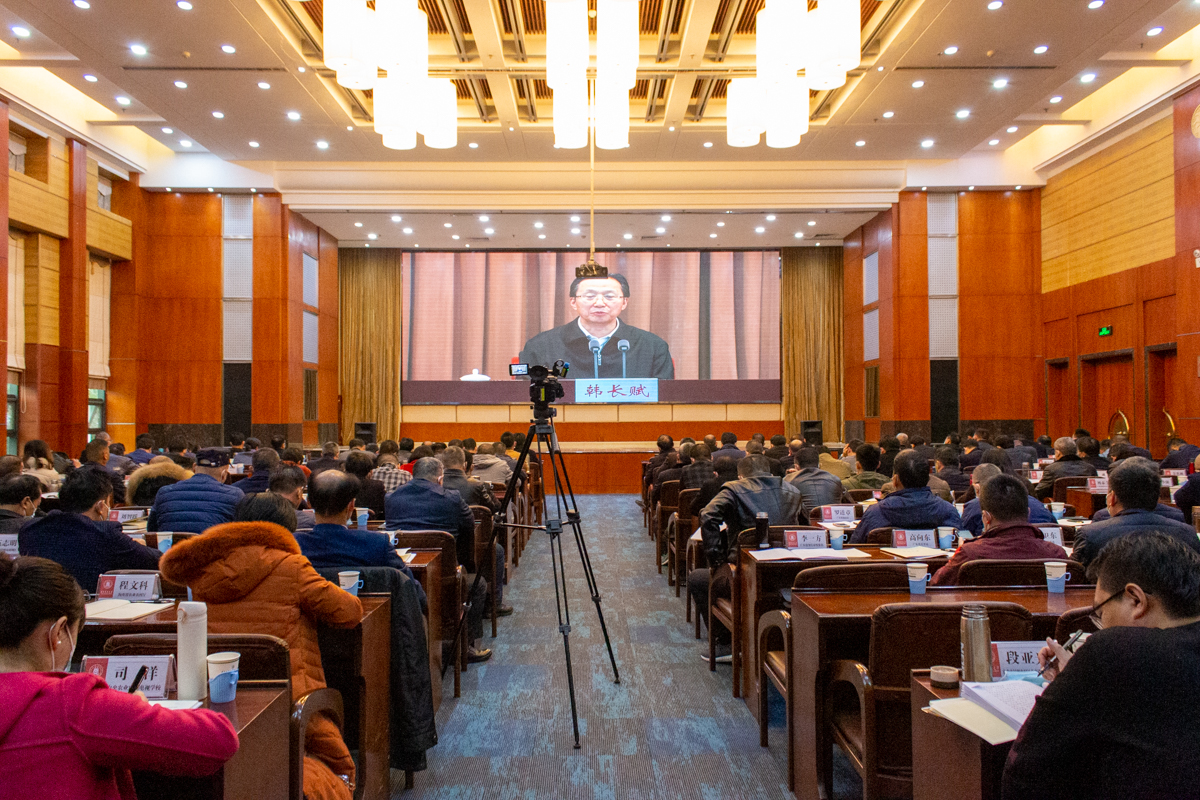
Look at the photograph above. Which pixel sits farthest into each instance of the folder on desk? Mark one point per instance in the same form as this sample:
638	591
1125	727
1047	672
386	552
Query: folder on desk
122	609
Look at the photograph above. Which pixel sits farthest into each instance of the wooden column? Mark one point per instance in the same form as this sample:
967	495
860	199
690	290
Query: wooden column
4	250
128	201
73	303
1186	377
41	417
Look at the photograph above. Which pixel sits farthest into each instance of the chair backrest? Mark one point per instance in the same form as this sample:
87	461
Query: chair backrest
263	658
668	494
687	503
483	538
433	540
1016	572
881	536
858	495
1062	484
853	576
1076	619
908	636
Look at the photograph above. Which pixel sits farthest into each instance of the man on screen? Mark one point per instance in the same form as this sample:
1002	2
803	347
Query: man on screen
599	303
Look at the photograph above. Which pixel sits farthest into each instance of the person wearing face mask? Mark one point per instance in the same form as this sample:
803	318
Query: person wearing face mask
79	535
20	496
68	736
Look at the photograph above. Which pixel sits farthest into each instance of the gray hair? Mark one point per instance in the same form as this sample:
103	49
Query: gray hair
1065	445
330	449
453	458
984	473
428	468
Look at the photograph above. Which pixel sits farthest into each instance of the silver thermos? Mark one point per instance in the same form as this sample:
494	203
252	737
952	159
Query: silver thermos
976	635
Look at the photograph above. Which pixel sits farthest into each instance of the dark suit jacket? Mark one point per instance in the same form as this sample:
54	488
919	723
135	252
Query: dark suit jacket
1181	458
730	451
422	505
1065	467
319	465
255	483
371	495
84	548
1092	538
339	546
971	459
955	478
476	493
781	452
648	355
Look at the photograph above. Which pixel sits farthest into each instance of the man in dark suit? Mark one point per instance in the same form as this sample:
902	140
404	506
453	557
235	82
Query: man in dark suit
455	476
328	460
889	448
666	445
596	343
371	492
972	456
1067	464
817	487
1131	448
263	463
700	470
946	462
1180	455
778	449
917	442
423	504
729	448
1089	451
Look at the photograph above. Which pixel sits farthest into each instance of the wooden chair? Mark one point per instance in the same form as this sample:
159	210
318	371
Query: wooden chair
264	660
867	706
883	575
727	612
485	556
881	536
1062	484
680	527
1076	619
858	495
695	559
454	589
1016	572
668	504
646	495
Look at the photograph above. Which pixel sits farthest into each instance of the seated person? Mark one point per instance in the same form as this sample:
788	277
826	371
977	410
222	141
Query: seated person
1133	486
331	544
1118	718
456	476
261	465
666	446
143	485
834	466
424	504
421	451
1007	531
354	446
255	580
729	448
700	470
144	449
936	485
20	496
200	502
96	453
737	505
39	462
291	484
489	466
889	448
946	466
245	455
371	493
1089	451
70	735
817	487
866	462
778	449
294	457
387	471
972	455
911	506
328	460
1180	454
1162	509
1067	464
721	471
972	514
79	536
1187	497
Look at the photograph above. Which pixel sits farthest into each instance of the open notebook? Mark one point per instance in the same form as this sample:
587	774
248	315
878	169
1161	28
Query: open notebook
992	711
122	609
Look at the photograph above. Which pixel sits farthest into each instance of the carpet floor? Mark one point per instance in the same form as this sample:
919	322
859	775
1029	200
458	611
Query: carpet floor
670	729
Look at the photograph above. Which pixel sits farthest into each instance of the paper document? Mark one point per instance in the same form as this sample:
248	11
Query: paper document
838	526
123	610
914	552
176	705
807	554
1011	701
982	723
696	537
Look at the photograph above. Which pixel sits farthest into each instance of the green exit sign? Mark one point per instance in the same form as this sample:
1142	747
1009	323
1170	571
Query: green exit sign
1106	330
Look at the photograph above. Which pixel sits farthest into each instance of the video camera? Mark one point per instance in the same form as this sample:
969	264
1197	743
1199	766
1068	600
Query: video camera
544	387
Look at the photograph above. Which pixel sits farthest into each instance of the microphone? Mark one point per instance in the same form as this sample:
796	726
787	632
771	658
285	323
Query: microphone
623	346
596	357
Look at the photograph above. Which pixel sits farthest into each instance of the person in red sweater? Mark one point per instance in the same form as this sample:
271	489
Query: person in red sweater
1006	530
65	736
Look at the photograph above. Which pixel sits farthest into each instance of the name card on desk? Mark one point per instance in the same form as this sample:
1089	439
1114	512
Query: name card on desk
837	513
1052	534
1044	461
138	586
914	538
1097	485
616	390
123	515
1036	474
803	540
1014	657
119	671
1175	473
8	544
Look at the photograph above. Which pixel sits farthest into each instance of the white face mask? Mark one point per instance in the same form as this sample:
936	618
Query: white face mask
53	649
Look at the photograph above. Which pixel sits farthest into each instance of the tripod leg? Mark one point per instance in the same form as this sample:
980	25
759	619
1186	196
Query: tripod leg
560	570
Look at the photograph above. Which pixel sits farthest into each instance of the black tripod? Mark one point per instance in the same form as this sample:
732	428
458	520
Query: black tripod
542	432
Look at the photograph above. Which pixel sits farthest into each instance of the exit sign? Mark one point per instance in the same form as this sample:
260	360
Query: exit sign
1106	330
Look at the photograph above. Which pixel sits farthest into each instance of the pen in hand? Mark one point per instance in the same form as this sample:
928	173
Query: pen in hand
137	679
1054	659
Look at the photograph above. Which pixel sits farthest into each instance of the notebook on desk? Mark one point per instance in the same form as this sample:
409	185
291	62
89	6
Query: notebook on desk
914	552
122	609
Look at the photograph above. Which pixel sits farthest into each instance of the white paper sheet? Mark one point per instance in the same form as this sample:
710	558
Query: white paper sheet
176	705
977	720
131	610
914	552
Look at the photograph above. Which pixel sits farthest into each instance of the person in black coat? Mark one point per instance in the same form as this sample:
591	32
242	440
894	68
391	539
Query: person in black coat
1066	465
1180	455
624	351
371	492
261	466
946	462
455	477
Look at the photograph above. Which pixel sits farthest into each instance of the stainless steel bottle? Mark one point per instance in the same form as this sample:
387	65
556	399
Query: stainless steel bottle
976	634
762	528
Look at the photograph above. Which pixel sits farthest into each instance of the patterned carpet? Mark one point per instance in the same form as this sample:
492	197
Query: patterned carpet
671	729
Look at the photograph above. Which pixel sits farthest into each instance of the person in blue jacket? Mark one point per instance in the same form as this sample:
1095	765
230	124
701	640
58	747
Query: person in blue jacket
204	500
912	506
972	515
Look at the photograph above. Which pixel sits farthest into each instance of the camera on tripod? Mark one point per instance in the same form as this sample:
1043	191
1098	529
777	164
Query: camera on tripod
544	387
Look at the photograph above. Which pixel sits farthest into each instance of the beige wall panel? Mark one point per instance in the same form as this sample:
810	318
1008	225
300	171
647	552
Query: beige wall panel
645	412
589	413
109	234
41	289
31	205
754	411
521	414
1154	203
681	412
1147	137
1145	245
428	414
482	413
93	184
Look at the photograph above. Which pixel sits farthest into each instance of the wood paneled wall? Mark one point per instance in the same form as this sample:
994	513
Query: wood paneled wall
811	339
1113	211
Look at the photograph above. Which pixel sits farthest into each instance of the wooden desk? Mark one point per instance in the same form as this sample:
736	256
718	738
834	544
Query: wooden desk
259	769
829	625
950	762
761	582
1085	502
427	568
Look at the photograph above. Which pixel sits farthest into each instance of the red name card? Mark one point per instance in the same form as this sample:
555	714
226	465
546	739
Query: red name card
119	671
137	586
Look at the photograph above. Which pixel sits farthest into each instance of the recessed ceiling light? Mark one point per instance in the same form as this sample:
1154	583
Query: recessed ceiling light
541	236
770	217
1012	129
185	5
90	78
574	218
1056	99
123	100
924	188
254	144
537	225
84	4
294	116
889	114
665	217
253	190
970	188
358	224
301	69
880	69
468	245
994	142
455	237
489	231
1095	4
322	144
1018	187
219	114
511	129
186	143
473	145
860	143
575	231
995	5
180	85
484	218
963	113
210	189
366	245
999	83
760	229
168	131
720	224
927	143
712	236
918	84
671	129
812	222
374	236
408	230
136	49
629	236
660	230
416	245
22	32
1040	49
264	85
396	218
708	144
799	234
168	189
1087	77
951	50
1155	31
228	48
447	225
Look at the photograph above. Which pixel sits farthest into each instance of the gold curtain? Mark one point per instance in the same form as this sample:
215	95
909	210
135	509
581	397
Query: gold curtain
811	350
370	297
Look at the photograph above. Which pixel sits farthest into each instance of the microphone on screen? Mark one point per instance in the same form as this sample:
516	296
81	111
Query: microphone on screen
623	346
596	357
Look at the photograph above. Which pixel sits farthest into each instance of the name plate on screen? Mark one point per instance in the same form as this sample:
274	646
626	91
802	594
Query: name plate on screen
119	671
804	540
1014	657
837	513
1052	534
139	586
1097	485
617	390
8	544
123	515
926	538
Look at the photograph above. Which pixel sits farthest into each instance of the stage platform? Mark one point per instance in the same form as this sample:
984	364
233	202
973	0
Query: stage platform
606	467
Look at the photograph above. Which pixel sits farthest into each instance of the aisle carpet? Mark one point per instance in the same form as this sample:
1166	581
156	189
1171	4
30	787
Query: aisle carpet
671	729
